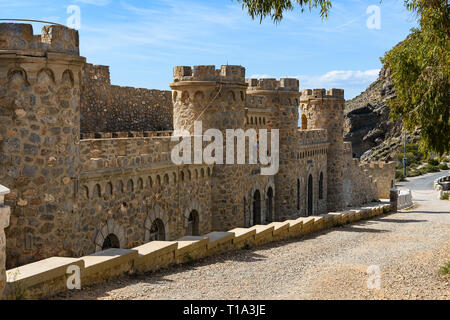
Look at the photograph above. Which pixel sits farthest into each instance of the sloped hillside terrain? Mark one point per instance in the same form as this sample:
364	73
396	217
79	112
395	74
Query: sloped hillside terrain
368	126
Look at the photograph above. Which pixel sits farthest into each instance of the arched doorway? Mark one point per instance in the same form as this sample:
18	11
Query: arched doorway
298	194
269	205
321	186
310	195
111	241
192	225
304	123
157	231
257	207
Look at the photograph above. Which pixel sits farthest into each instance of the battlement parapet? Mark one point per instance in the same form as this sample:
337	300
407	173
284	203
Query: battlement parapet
309	94
271	84
315	136
53	38
129	134
379	165
227	73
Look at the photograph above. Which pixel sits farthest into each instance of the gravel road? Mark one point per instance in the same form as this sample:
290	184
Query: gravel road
408	248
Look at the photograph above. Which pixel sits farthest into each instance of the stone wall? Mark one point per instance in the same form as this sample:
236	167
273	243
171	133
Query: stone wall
109	108
383	175
39	134
359	185
49	277
4	223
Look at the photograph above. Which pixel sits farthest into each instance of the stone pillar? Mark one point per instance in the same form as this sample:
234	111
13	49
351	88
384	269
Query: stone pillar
4	222
393	197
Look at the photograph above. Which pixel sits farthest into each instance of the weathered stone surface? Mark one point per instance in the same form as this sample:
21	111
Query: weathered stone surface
116	186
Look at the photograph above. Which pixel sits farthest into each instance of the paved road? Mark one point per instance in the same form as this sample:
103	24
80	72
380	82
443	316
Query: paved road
407	247
424	182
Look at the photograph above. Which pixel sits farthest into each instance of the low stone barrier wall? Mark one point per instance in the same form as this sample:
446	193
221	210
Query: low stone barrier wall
442	183
404	199
55	275
4	223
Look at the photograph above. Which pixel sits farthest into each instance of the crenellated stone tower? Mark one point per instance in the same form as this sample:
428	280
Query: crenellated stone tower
39	138
282	98
325	110
217	99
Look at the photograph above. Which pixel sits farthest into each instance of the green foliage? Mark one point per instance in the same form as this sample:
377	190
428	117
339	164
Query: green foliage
276	8
445	196
420	71
429	168
445	269
399	175
443	166
433	162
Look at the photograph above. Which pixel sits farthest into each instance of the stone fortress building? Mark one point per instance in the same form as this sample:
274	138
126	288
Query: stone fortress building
89	166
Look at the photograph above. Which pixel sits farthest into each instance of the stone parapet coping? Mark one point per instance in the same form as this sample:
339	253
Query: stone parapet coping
49	277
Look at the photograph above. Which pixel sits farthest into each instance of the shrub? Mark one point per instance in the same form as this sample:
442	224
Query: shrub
445	269
433	162
443	166
445	196
429	168
399	175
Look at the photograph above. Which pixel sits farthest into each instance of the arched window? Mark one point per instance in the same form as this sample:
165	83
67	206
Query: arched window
111	241
304	123
321	186
97	191
157	232
192	224
130	186
310	195
269	205
257	207
108	189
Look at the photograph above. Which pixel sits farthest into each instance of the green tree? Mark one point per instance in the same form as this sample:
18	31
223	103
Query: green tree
420	71
275	8
419	65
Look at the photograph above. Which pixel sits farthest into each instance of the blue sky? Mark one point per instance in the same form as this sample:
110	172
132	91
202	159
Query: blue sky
142	40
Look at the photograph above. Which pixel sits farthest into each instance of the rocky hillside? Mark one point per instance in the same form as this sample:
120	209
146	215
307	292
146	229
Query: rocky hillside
368	126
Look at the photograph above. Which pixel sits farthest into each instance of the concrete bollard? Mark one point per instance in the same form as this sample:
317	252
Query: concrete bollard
393	198
4	223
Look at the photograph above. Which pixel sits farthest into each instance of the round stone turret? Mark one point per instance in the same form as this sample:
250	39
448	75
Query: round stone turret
39	138
215	97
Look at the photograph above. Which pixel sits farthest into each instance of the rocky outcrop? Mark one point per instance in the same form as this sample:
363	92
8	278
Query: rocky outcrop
367	121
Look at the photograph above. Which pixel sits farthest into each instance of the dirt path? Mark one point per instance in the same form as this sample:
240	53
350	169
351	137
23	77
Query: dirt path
408	248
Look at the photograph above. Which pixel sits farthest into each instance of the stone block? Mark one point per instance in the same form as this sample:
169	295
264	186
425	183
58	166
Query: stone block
107	264
264	234
219	242
280	231
155	255
40	279
295	227
243	237
191	248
